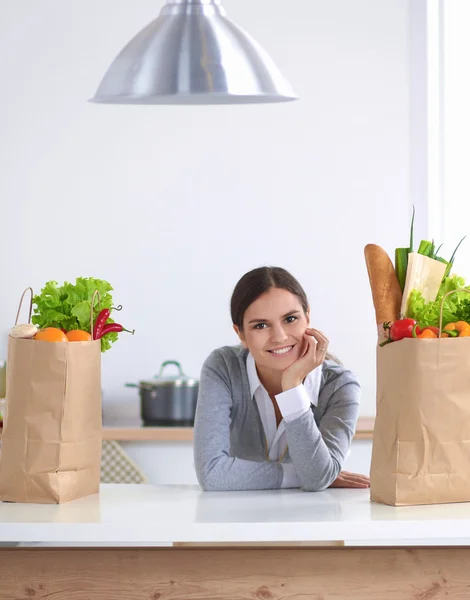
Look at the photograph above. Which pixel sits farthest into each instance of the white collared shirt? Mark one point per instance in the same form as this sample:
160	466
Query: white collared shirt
293	403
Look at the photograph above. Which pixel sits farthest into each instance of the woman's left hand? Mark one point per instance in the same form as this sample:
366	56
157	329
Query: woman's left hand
351	480
316	346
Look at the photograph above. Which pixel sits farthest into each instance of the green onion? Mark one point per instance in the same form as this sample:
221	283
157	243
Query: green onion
401	257
437	252
426	248
401	265
451	261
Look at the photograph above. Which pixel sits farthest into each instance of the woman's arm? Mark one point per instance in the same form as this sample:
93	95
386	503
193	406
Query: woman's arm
318	452
215	468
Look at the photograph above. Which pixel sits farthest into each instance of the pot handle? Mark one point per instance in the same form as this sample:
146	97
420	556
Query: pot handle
170	362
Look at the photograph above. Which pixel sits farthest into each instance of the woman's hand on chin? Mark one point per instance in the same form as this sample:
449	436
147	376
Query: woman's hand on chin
315	348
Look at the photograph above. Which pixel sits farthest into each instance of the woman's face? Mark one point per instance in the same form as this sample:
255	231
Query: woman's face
273	329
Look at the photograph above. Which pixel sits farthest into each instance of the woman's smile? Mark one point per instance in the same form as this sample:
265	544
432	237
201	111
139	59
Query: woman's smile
282	351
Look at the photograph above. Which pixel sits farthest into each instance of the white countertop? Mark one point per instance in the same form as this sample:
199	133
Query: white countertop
160	515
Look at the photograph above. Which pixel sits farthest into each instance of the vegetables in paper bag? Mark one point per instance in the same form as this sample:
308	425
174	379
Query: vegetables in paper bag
424	276
68	307
456	306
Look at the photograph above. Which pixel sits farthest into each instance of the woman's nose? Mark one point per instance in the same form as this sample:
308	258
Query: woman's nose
278	335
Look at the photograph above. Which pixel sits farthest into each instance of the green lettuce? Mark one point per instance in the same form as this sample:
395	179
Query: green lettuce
427	313
69	306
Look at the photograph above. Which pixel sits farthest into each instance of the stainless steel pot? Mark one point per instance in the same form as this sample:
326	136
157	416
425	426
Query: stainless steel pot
168	401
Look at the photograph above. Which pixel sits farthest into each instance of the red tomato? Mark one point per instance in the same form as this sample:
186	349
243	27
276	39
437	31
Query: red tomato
402	329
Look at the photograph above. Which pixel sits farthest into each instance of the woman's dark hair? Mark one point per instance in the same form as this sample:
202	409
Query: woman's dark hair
258	281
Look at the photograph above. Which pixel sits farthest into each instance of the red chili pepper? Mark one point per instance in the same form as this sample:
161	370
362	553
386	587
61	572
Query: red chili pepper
114	327
101	321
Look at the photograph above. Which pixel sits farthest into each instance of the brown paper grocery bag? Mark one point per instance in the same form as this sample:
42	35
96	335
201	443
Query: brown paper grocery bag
51	442
421	446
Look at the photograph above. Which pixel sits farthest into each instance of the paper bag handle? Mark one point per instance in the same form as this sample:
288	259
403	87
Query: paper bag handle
30	305
96	293
442	305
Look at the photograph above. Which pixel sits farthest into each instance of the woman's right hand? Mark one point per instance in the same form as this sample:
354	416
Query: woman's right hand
351	480
316	346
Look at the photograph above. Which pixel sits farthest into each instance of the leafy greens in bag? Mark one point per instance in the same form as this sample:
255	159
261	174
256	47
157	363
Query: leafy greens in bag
68	306
456	307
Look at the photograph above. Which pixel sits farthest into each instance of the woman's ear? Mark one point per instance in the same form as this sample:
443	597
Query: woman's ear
307	313
240	335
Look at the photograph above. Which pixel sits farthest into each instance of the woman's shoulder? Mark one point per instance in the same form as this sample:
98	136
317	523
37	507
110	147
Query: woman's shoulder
225	364
336	372
227	358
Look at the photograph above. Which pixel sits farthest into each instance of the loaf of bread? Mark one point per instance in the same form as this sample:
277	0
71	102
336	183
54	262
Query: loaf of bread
386	291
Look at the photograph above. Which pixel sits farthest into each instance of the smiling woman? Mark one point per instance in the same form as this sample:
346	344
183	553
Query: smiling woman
277	411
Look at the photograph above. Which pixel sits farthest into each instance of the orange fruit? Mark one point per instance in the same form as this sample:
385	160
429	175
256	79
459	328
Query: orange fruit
78	335
51	334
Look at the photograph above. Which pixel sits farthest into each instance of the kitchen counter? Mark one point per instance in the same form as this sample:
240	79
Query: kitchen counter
182	543
135	432
262	545
162	515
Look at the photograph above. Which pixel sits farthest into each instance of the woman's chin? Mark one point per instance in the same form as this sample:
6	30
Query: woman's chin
283	362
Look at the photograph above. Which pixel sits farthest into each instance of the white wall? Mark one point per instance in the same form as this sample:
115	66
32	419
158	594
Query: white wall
173	204
455	96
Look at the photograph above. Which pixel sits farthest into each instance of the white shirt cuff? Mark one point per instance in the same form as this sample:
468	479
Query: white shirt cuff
293	403
289	476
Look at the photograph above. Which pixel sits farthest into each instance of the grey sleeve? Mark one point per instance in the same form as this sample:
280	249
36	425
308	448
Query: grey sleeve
318	452
216	470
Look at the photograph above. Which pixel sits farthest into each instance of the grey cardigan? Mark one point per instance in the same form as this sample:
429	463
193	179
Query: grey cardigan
230	450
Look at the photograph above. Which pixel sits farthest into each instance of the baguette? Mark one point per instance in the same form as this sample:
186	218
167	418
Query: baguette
386	291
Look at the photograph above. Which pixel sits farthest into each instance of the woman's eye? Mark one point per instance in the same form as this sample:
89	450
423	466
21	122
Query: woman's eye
259	326
291	319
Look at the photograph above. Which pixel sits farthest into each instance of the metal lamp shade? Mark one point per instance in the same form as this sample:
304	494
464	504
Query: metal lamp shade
193	54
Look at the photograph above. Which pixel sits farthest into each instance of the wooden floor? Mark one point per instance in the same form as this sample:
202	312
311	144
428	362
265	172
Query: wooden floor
235	574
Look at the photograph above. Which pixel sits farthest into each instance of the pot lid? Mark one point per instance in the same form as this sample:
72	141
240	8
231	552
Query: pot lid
178	380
